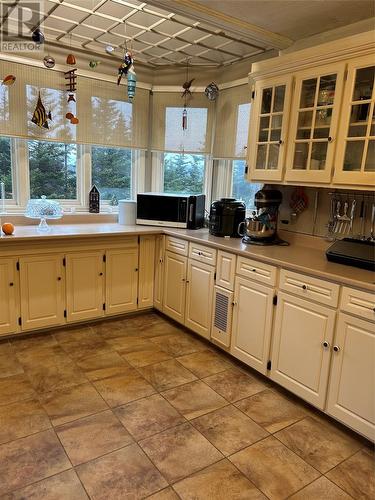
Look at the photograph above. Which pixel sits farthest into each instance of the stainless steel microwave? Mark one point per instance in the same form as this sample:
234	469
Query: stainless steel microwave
171	210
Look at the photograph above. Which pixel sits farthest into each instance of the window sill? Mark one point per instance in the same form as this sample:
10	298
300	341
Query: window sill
68	218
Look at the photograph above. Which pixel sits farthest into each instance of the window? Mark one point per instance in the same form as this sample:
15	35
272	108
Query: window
6	165
191	139
184	173
112	173
53	170
242	189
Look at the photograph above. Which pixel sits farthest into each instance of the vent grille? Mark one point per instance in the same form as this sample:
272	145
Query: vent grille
221	311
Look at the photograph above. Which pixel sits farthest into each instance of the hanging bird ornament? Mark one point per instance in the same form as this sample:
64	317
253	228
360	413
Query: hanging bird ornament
40	115
125	66
212	91
93	64
8	80
186	86
185	95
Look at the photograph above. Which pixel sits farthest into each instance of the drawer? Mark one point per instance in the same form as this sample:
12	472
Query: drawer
202	253
177	245
225	269
257	271
310	288
357	302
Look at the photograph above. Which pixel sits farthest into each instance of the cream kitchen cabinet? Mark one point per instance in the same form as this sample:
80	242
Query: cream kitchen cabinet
174	292
121	281
159	271
42	291
199	294
301	351
146	271
252	323
225	270
85	285
351	397
9	289
355	160
267	138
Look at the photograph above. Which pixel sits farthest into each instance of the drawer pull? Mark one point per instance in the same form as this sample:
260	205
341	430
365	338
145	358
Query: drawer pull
325	344
100	274
11	284
336	348
304	287
254	270
59	278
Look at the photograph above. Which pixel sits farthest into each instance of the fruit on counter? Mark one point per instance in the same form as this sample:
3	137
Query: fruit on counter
7	228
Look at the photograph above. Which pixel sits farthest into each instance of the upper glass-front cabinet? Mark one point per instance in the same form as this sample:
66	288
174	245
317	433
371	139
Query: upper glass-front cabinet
314	122
355	160
267	138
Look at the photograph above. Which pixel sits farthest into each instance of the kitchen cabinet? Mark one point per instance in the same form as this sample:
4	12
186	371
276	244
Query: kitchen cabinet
267	139
42	291
225	270
351	397
221	329
199	291
158	277
252	323
355	161
301	351
174	292
121	281
314	122
85	285
9	289
146	271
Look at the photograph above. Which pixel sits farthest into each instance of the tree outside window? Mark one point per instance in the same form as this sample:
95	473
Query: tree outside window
242	189
183	173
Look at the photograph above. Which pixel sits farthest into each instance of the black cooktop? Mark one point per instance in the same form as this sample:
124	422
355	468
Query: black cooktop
353	252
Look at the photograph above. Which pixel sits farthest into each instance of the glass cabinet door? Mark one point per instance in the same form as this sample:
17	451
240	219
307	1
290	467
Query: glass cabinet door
267	138
314	122
356	158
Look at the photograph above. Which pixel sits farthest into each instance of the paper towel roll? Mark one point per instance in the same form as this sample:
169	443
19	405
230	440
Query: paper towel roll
127	212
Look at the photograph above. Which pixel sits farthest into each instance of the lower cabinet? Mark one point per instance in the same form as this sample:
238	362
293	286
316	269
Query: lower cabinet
158	277
252	323
174	286
121	288
9	289
200	284
351	396
85	285
146	272
42	291
301	351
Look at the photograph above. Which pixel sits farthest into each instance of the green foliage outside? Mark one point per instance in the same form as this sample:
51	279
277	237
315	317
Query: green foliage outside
5	165
183	173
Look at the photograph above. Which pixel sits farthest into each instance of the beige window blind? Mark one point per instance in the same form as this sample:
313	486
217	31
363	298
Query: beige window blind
232	123
105	116
167	132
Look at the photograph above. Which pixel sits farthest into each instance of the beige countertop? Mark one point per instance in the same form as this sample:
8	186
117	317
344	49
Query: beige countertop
305	253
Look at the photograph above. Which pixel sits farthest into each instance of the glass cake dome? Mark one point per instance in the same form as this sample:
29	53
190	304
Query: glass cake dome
43	209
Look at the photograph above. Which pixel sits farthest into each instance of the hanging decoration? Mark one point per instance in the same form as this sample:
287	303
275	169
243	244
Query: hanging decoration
93	64
212	91
132	82
70	58
109	49
185	95
37	36
73	119
72	83
8	80
40	115
125	66
48	61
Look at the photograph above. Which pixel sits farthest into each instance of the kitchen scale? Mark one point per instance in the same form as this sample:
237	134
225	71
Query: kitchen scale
352	252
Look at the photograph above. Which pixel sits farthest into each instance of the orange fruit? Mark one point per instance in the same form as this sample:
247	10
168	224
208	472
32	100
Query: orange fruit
7	228
69	116
74	120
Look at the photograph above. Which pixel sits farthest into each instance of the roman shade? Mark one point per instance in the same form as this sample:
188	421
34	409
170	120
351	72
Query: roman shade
232	123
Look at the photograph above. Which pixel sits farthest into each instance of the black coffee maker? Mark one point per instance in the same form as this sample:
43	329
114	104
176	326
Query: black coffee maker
261	227
225	216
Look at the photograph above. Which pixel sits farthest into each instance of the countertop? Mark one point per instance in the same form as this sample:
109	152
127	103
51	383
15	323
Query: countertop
305	253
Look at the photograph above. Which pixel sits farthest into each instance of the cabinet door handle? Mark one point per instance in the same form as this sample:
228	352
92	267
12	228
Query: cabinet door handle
281	141
183	279
304	287
59	278
336	348
234	303
136	269
100	274
11	284
330	139
325	344
187	281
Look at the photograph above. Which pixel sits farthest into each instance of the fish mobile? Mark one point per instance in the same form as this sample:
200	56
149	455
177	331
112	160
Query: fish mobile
124	66
40	115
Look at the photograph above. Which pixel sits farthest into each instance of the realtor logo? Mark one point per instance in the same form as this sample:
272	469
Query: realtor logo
18	22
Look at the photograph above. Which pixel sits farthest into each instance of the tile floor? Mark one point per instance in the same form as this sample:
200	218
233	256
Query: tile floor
140	408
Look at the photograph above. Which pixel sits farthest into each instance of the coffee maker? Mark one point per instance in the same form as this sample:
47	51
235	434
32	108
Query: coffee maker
261	227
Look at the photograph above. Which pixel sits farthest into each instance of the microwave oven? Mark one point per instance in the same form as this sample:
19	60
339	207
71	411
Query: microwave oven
171	210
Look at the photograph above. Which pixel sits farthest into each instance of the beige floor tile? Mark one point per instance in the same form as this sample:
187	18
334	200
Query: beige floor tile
204	363
125	473
148	416
122	389
180	451
273	468
72	403
114	328
229	429
167	494
83	334
194	399
78	351
149	356
125	345
15	388
30	459
235	384
63	486
91	437
321	489
219	481
157	328
322	445
31	342
356	475
9	365
272	410
179	345
21	419
97	366
6	348
167	374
